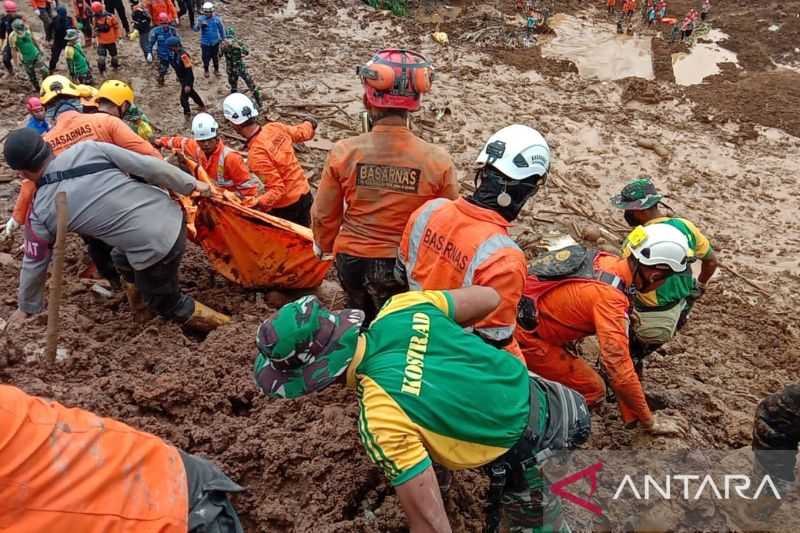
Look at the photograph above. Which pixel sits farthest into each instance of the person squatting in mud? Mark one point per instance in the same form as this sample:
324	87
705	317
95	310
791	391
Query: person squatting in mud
658	315
82	472
429	391
382	176
140	224
457	243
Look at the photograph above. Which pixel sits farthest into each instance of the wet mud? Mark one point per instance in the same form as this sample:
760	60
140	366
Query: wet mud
725	151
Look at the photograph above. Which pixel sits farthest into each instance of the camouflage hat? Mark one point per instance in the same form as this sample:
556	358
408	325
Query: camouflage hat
304	347
230	33
637	195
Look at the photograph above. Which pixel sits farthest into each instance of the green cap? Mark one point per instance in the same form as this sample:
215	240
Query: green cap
304	347
637	195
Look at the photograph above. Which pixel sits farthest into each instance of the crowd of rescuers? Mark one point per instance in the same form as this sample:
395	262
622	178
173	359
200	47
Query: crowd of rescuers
459	349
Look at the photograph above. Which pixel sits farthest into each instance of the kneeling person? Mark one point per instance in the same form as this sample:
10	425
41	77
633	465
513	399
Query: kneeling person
142	224
429	391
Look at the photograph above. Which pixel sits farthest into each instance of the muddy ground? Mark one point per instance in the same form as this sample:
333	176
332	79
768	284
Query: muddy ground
729	161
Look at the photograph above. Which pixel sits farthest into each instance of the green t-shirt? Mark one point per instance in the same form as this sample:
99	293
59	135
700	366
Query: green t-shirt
426	386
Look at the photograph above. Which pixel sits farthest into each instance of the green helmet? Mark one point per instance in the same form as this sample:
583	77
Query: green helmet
304	347
18	25
637	195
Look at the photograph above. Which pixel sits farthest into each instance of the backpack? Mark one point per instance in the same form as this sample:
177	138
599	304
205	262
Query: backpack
555	268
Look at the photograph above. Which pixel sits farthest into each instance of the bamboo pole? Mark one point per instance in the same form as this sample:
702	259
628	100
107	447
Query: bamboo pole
57	279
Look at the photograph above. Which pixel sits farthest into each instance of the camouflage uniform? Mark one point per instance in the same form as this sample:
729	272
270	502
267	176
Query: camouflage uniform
139	123
234	50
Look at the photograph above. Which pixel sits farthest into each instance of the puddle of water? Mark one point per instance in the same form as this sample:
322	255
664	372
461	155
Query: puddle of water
597	50
703	60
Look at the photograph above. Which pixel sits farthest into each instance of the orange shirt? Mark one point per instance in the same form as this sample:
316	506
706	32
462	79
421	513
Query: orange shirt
225	167
70	128
370	186
69	470
39	4
108	37
156	7
451	244
271	157
581	308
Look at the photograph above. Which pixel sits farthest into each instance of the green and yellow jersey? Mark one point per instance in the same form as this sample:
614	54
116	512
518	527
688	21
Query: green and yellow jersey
426	387
678	286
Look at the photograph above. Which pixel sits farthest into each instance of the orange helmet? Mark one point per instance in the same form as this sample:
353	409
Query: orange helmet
396	79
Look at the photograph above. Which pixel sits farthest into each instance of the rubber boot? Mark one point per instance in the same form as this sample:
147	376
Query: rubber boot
141	313
205	319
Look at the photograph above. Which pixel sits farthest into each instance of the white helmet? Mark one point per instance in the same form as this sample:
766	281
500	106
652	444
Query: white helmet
208	7
204	127
238	108
660	244
517	151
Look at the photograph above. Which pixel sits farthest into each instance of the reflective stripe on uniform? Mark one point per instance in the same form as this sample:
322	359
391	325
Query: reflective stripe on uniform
253	182
485	251
417	231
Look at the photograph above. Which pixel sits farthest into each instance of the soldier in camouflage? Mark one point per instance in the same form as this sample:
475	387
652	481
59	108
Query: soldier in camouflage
234	51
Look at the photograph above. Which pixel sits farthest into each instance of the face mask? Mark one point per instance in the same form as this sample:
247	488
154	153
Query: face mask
496	192
629	218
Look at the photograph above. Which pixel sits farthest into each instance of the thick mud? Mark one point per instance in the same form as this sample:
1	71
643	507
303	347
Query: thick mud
726	152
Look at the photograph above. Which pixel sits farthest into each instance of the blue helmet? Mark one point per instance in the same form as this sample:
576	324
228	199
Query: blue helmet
172	42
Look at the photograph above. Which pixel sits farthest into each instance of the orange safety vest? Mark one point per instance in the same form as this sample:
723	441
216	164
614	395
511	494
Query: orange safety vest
64	469
448	244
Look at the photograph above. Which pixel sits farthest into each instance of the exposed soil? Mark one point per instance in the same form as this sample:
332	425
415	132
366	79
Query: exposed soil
725	166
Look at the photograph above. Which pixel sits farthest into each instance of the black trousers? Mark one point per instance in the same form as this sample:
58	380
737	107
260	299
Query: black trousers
367	282
7	59
116	6
299	212
185	99
210	53
55	54
187	6
100	254
210	510
158	283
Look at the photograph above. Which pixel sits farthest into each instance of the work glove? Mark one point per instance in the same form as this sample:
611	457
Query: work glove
322	256
149	58
202	188
9	229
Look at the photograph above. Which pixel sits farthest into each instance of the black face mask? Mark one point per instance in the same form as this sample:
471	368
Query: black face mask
632	222
491	184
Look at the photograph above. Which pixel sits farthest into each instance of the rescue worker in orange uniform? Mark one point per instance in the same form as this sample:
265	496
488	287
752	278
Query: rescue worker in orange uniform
225	167
594	298
106	32
271	157
62	102
465	242
373	182
66	469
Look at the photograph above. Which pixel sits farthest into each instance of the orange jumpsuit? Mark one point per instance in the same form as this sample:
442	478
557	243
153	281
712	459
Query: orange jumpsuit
225	167
271	157
156	7
452	244
108	37
577	309
67	469
70	128
370	186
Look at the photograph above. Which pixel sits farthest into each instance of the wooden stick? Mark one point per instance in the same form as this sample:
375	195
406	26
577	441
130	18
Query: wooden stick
731	271
234	137
56	282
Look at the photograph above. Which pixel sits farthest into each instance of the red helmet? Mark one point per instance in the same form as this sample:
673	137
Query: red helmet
396	79
9	6
97	7
34	104
163	18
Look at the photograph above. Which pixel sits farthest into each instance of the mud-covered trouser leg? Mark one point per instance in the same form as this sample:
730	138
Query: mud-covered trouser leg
210	510
776	433
34	69
100	254
144	42
158	283
528	504
7	63
233	76
102	52
248	80
368	282
298	212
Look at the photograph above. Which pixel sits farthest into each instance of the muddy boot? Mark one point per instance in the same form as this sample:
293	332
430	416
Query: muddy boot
141	313
205	319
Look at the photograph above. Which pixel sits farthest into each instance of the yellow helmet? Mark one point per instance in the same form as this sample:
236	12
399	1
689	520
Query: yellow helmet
57	85
88	94
115	91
